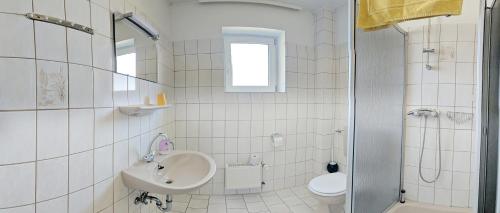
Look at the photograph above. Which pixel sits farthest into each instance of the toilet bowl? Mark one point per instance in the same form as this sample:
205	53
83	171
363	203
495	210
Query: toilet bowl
330	190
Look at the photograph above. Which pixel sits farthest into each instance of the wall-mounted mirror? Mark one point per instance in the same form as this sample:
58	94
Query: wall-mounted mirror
135	47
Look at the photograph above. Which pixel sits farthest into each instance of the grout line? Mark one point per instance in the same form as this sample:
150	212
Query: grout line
68	111
36	107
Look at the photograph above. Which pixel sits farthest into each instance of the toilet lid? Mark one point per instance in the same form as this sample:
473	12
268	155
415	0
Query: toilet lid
333	183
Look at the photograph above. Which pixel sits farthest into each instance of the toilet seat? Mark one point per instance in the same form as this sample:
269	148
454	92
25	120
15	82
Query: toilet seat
333	184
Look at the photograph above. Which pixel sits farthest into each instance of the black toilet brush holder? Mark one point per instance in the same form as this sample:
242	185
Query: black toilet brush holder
332	167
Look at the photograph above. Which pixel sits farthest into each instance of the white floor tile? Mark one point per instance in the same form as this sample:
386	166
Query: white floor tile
198	203
269	202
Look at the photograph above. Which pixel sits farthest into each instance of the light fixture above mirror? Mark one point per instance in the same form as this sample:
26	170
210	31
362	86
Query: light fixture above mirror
135	43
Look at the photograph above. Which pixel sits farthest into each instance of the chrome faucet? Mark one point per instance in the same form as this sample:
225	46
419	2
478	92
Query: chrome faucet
152	153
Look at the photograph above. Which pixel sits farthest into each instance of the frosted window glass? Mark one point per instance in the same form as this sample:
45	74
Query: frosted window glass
250	64
125	64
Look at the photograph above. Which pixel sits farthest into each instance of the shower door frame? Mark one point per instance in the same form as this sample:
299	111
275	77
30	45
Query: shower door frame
350	119
488	199
352	103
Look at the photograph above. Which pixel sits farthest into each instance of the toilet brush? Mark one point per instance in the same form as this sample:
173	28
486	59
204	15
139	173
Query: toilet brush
332	166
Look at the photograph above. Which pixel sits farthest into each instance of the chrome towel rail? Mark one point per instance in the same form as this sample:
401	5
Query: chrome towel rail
64	23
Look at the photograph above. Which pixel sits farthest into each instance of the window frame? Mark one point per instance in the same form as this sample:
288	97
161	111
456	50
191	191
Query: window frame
275	39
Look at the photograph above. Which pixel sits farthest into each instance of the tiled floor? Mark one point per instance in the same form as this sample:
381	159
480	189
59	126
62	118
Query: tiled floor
296	200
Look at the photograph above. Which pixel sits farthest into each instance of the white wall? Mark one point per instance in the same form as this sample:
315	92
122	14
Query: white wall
340	17
470	15
157	12
199	21
63	141
449	86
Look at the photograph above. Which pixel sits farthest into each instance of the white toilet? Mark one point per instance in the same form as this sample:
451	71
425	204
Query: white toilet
330	190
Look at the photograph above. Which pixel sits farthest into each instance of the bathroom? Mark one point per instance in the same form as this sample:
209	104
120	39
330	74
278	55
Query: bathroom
138	106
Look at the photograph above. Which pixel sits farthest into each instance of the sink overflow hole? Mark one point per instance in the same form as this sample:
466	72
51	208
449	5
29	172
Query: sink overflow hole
169	181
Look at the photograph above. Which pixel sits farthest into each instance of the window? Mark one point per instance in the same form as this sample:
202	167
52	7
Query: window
126	62
254	59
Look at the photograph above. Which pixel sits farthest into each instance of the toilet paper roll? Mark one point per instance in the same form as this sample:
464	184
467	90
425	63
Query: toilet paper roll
277	140
254	160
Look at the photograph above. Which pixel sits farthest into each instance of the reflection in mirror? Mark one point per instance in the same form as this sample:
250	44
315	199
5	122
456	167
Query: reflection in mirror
135	47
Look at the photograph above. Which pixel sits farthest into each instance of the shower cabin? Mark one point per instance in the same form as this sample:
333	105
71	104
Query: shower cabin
412	125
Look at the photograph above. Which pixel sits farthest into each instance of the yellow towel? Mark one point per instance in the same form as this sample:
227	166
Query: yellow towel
376	14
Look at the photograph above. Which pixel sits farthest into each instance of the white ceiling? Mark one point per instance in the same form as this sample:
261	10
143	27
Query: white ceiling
314	4
306	4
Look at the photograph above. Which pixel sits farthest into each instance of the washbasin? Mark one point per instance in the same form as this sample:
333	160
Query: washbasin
176	173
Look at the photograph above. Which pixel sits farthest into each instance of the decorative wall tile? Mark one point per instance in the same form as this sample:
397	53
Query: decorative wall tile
52	85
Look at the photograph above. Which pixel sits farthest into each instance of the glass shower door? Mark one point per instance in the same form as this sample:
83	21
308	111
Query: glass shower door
379	82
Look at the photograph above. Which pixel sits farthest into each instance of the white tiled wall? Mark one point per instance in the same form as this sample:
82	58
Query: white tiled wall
232	126
330	94
341	75
63	142
449	86
324	95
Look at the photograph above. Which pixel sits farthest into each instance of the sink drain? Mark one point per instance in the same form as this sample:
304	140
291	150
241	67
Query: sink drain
169	181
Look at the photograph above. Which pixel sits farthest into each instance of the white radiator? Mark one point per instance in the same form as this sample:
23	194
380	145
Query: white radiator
243	176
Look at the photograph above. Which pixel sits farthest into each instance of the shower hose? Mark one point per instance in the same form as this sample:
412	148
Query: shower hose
422	151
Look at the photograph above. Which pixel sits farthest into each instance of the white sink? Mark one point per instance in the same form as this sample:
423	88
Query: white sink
183	171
